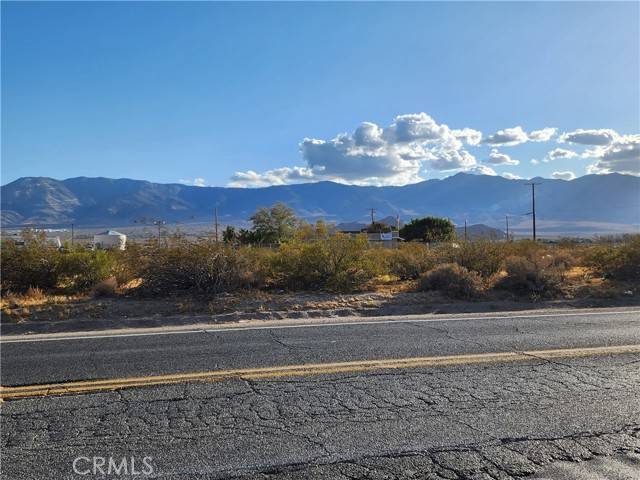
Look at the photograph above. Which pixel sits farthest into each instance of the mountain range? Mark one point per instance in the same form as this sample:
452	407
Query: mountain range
588	204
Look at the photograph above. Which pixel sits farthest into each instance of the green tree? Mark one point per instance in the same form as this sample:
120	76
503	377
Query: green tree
229	234
274	224
247	237
429	229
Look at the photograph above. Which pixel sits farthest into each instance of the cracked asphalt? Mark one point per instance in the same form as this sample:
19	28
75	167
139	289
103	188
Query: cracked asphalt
488	421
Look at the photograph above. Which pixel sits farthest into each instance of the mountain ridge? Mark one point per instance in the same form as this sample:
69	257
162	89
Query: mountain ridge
89	201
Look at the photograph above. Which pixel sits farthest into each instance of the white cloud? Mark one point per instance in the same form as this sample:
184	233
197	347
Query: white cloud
372	155
497	158
277	176
482	170
413	144
511	176
622	156
564	175
445	159
414	127
508	137
516	135
543	135
603	136
368	134
196	182
468	135
557	153
342	160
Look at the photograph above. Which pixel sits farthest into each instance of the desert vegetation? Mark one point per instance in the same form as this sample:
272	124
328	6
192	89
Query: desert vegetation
283	254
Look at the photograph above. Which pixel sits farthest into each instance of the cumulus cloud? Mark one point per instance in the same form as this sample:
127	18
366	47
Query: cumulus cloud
196	182
511	176
414	127
468	135
277	176
557	153
516	135
413	144
368	134
482	170
508	137
568	175
622	156
543	135
603	136
447	159
497	158
372	155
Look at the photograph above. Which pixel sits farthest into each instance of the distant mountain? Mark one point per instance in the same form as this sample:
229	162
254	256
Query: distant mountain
589	203
480	230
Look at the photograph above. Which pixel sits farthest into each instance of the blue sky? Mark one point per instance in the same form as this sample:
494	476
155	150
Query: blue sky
226	94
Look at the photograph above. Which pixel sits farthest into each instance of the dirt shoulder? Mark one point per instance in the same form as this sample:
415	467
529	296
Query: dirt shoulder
81	314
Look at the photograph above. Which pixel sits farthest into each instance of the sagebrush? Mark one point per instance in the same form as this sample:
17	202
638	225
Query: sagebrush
316	257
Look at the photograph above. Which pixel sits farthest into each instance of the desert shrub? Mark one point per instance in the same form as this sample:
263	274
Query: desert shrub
523	248
128	264
106	288
562	259
452	280
39	265
350	262
535	276
255	266
338	262
481	256
299	265
411	260
620	261
204	266
35	264
80	269
34	293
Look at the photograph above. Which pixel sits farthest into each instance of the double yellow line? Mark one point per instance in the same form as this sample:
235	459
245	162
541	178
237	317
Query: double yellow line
93	386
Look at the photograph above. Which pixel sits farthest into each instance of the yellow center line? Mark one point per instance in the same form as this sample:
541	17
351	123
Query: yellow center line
92	386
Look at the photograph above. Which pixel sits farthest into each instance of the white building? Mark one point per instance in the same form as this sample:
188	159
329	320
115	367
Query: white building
55	241
110	239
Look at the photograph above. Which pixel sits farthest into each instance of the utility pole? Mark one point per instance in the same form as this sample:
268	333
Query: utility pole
159	223
506	217
215	214
372	216
72	234
533	206
465	229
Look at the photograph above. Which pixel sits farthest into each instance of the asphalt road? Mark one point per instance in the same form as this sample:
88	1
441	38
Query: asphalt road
464	420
